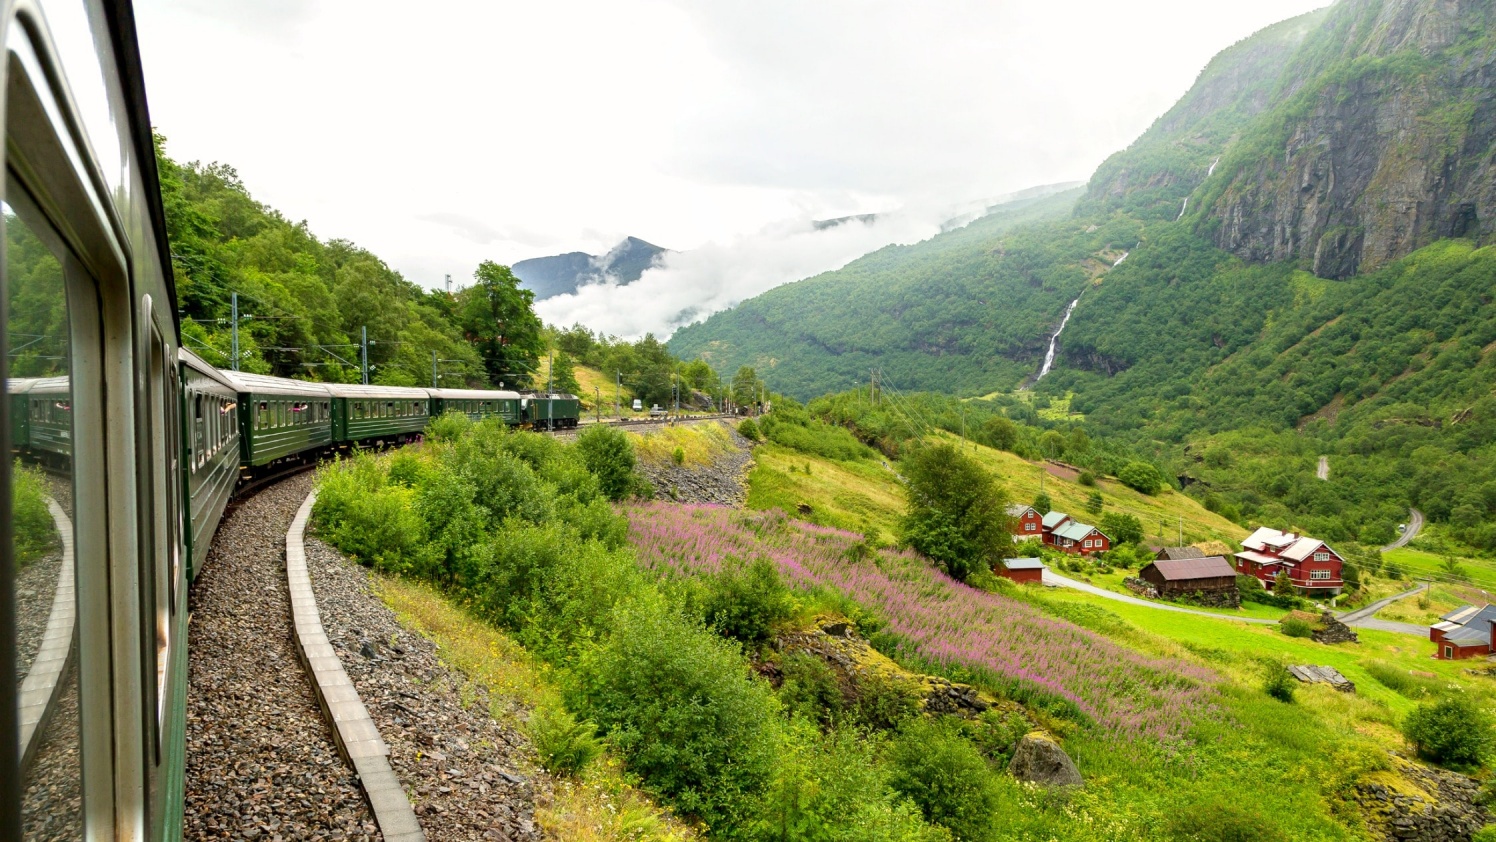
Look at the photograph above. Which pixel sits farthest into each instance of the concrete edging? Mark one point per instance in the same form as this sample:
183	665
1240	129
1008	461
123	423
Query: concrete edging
355	733
39	687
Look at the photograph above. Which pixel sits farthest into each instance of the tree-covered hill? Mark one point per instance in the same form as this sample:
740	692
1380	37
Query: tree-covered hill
1327	287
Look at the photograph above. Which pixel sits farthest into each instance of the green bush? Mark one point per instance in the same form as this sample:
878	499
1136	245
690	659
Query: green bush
448	427
565	746
1452	731
749	430
1087	479
1279	682
32	528
883	702
1141	476
946	777
1295	627
809	689
745	600
679	703
678	456
956	514
610	457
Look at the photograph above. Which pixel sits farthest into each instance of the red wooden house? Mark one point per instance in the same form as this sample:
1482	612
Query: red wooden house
1027	522
1466	632
1311	565
1064	533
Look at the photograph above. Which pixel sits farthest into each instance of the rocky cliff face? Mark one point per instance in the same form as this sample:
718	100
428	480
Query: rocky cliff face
1391	146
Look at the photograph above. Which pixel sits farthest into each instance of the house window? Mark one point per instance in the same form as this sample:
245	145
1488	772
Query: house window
1449	652
1321	556
1319	574
1028	527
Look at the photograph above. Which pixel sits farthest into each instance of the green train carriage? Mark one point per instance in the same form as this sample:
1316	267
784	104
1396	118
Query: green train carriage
210	452
476	404
549	411
377	415
280	419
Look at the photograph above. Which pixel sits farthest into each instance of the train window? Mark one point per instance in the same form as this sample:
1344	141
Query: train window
39	551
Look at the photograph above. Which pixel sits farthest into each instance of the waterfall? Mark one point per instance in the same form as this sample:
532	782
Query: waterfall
1119	261
1181	211
1210	172
1049	355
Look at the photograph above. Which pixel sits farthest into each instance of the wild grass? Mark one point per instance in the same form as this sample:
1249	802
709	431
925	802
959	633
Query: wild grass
700	444
861	496
31	520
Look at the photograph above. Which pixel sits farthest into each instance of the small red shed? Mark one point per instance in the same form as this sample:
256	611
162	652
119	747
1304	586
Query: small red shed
1022	570
1464	633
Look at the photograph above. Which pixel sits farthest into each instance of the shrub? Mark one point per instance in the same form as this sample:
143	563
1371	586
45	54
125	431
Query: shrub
1087	479
749	430
610	457
1094	503
447	427
1141	476
565	745
744	601
678	456
32	528
1279	682
945	776
810	689
883	702
679	704
1452	731
1295	627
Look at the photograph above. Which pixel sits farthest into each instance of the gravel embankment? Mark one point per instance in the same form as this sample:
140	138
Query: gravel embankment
723	482
468	776
261	762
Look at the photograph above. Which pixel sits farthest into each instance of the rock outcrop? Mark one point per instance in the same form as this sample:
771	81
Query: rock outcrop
1039	759
722	482
1413	803
1329	629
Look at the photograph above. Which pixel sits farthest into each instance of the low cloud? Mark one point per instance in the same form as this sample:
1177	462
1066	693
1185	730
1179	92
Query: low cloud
689	286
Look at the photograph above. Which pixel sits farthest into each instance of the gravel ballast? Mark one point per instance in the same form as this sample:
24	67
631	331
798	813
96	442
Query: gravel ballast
261	762
467	775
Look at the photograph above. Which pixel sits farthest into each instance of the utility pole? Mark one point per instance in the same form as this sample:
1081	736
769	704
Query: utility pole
433	358
1181	530
449	284
618	397
597	402
234	360
363	353
550	391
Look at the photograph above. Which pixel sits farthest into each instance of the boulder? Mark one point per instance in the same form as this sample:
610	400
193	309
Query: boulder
1039	759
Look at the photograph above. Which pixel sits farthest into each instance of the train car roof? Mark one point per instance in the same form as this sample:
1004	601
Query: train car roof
264	384
60	385
358	390
473	394
203	367
18	385
555	396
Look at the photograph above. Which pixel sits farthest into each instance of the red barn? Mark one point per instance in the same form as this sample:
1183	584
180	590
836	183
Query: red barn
1027	522
1022	570
1464	633
1311	565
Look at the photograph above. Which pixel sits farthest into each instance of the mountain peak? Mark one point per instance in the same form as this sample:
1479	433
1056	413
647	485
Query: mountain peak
563	274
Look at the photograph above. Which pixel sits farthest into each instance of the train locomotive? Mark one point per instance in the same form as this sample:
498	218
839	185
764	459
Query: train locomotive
124	448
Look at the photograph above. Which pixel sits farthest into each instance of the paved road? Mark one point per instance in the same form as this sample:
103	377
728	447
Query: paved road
1052	578
1415	523
1324	468
1357	619
1350	617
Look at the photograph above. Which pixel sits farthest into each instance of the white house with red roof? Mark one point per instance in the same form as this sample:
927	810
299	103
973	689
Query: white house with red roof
1309	562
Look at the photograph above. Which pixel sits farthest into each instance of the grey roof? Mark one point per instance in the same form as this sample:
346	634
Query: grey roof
1183	569
264	384
1461	614
202	366
1023	564
472	394
1053	519
1077	531
1175	553
358	390
1017	509
1470	634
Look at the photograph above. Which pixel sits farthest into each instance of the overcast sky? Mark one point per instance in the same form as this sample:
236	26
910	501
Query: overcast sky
444	133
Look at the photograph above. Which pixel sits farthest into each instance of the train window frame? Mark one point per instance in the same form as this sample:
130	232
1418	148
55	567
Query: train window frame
50	166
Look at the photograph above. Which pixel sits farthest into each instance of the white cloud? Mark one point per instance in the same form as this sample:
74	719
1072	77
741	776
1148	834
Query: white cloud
450	132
